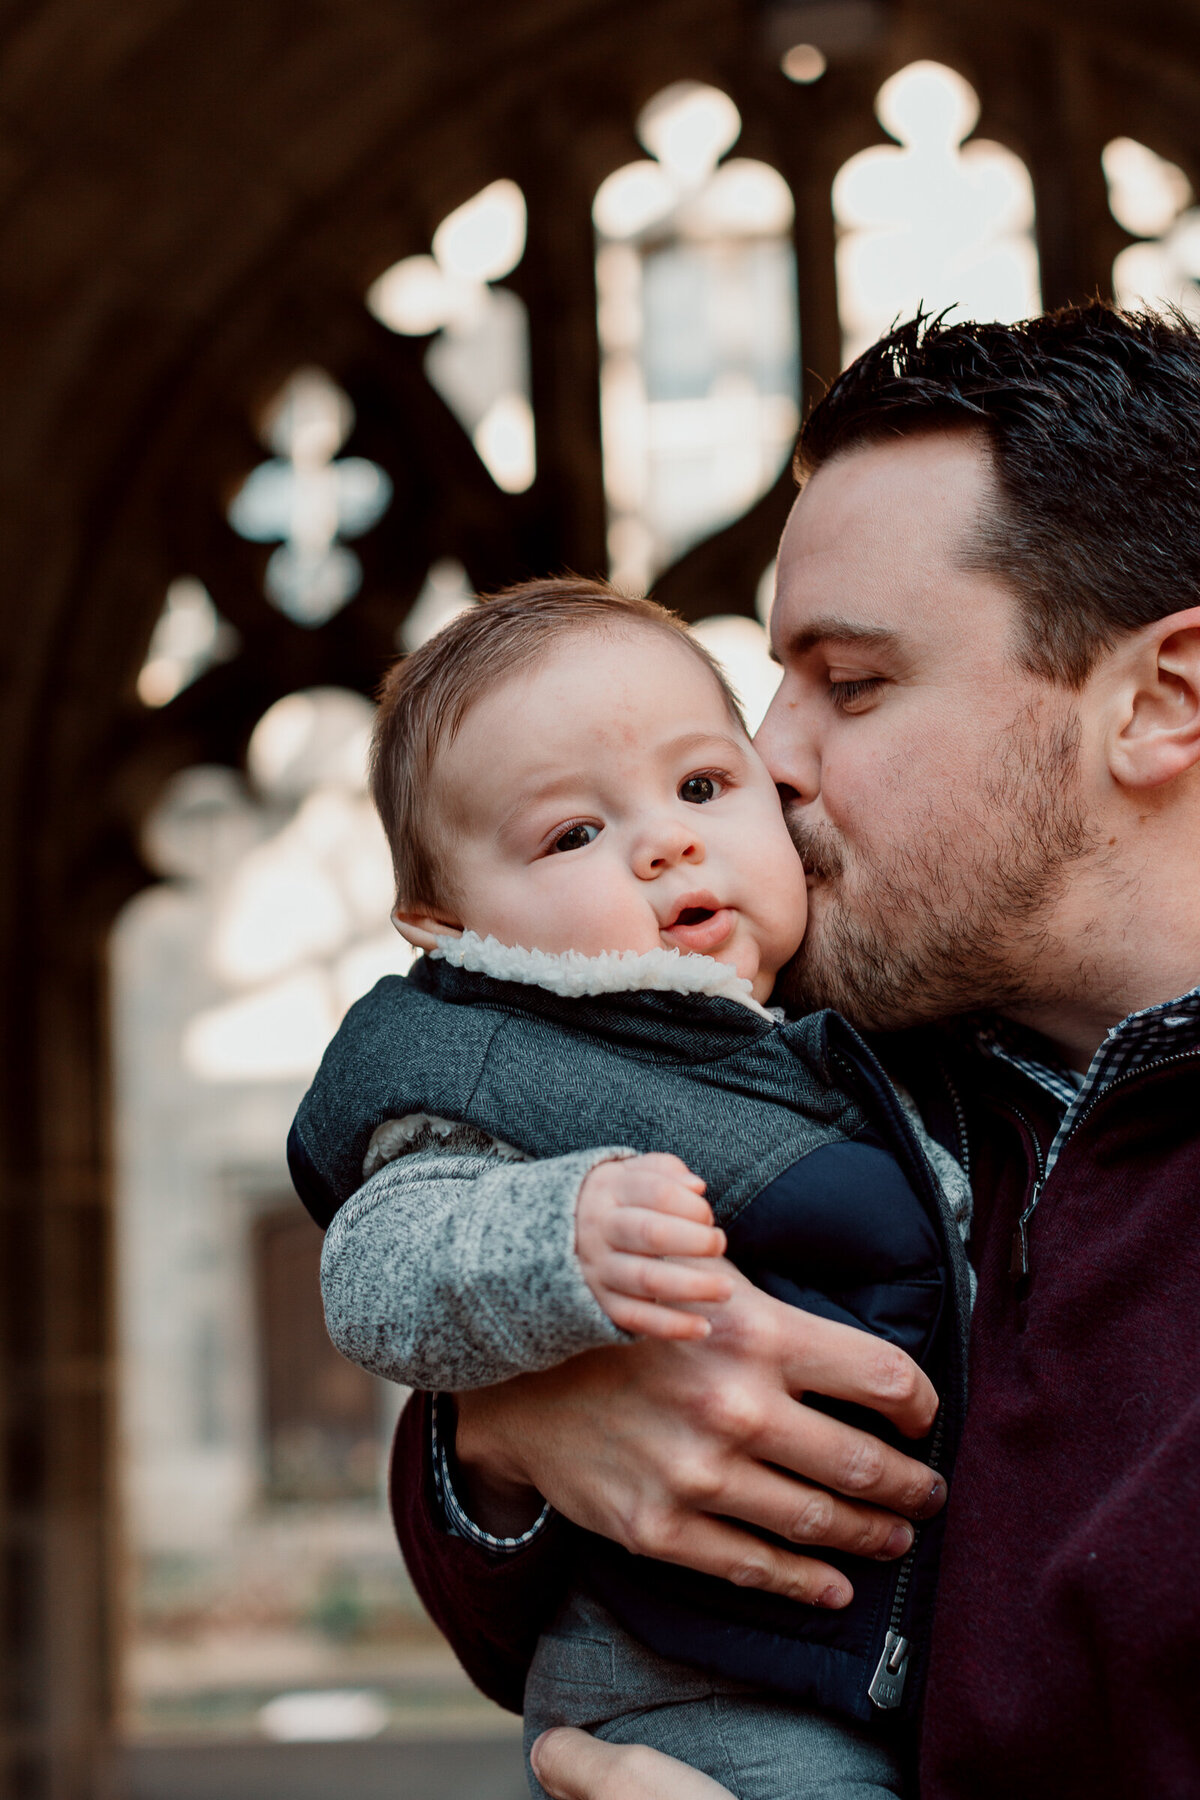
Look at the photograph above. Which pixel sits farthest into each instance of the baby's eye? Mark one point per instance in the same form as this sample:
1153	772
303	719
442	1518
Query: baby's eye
575	837
699	789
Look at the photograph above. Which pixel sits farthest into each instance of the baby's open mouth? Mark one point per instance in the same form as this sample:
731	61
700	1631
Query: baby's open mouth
700	924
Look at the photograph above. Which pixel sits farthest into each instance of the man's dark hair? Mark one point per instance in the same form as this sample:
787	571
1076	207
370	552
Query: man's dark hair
1093	418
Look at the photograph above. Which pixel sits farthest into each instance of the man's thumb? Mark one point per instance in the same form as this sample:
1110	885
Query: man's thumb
564	1763
573	1765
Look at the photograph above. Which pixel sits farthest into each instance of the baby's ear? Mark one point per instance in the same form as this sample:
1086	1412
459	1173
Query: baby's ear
423	929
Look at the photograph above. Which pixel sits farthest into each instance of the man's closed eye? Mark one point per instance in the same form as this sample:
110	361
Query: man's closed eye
844	694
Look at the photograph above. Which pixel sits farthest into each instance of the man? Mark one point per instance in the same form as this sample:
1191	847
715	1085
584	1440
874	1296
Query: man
987	739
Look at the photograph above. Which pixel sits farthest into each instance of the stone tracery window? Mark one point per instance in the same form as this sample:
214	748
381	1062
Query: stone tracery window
478	359
699	338
307	499
1154	202
939	219
446	592
229	977
189	638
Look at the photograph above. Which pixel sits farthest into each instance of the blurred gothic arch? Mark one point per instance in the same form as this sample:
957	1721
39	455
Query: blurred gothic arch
195	195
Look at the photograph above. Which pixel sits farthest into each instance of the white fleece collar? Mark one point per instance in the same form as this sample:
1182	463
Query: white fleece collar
571	973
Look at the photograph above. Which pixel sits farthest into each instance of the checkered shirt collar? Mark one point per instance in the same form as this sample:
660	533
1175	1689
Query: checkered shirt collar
1169	1029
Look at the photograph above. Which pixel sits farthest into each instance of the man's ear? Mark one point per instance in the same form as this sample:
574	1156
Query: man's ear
1159	732
423	929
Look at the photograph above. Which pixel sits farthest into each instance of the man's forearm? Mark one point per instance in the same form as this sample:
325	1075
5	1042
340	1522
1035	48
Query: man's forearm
490	1607
488	1480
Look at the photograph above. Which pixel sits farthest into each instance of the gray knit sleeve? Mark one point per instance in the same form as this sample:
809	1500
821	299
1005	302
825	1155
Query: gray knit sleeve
454	1266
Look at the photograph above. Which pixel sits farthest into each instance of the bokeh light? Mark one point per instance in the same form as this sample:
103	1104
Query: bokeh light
932	221
1152	199
479	358
310	501
189	637
803	63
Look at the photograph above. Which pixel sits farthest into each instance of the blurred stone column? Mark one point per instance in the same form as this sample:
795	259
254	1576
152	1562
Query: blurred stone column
59	1429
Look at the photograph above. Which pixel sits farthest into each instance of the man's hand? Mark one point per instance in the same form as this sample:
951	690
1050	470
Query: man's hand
630	1217
662	1446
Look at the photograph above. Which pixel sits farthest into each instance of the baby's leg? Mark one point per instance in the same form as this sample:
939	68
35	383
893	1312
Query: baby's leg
589	1672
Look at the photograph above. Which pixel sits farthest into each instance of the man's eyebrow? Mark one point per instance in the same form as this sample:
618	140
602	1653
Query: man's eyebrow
832	630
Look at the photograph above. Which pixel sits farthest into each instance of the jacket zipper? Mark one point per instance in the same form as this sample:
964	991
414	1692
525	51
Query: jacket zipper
886	1688
960	1122
1019	1262
891	1672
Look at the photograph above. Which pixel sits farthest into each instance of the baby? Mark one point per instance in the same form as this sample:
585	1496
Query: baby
579	1100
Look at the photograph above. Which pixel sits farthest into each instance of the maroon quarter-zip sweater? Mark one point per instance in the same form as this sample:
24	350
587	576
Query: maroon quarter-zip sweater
1066	1656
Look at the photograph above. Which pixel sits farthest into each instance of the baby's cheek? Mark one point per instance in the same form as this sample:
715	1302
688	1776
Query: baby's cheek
789	914
588	908
612	922
799	911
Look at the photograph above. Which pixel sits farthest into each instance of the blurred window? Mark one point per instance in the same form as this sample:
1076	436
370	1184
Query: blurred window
307	499
478	357
1153	200
447	591
320	1414
699	336
933	220
266	1596
189	638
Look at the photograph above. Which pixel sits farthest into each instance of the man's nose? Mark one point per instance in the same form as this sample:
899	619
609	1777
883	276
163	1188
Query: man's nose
787	745
664	847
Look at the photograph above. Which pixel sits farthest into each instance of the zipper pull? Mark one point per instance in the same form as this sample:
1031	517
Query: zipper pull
1018	1266
887	1683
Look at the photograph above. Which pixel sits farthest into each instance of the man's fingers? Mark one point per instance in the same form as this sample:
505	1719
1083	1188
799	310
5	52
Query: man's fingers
716	1548
573	1765
642	1318
848	1460
808	1515
650	1278
646	1233
820	1356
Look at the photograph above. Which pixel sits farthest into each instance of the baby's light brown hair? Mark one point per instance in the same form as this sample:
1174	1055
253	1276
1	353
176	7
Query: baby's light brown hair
425	696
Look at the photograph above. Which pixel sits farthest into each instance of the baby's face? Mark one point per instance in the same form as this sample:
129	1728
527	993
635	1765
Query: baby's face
606	800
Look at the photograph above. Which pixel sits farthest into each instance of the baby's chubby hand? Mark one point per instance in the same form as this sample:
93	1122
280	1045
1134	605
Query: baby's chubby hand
630	1217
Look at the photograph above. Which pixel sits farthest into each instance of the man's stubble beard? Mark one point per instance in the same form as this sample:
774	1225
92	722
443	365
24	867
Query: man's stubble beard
959	919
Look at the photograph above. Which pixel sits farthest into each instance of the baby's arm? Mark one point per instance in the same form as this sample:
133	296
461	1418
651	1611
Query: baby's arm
630	1217
454	1267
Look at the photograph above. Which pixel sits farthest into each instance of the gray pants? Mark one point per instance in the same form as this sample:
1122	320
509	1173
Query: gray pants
587	1671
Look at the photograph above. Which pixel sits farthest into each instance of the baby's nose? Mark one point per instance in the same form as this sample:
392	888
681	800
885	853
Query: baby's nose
665	849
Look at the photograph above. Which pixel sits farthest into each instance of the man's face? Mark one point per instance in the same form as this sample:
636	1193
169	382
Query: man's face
931	783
